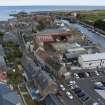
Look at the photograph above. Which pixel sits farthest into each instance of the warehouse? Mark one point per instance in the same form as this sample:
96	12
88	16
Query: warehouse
92	60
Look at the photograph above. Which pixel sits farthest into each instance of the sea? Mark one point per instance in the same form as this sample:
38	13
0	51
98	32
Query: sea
6	10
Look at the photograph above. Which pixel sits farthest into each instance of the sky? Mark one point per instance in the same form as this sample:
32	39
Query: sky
53	2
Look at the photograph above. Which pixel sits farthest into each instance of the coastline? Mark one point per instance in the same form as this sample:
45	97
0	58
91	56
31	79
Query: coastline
7	10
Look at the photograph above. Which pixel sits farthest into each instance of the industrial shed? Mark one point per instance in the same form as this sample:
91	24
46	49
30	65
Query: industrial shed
92	60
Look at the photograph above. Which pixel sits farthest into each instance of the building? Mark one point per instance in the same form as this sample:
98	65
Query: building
1	51
70	57
8	96
3	75
41	79
55	67
45	84
42	38
2	62
92	60
51	99
71	19
10	37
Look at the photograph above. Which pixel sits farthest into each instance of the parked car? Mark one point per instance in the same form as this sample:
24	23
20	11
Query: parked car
99	85
62	87
96	72
76	76
69	95
87	74
81	94
103	82
60	93
84	98
77	90
72	82
82	75
95	103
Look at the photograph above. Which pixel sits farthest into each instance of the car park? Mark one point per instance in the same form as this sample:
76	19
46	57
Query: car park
91	102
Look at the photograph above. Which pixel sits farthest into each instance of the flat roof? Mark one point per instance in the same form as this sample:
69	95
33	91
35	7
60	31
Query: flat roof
93	57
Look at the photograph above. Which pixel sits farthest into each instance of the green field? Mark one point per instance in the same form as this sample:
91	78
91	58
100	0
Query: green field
99	12
92	16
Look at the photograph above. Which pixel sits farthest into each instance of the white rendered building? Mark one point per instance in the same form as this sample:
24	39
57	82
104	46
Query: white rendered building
92	60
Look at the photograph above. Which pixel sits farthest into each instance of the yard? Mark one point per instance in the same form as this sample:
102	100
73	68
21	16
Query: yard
29	101
12	52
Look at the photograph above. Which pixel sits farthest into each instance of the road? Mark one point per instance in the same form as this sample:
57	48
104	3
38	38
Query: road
93	36
88	86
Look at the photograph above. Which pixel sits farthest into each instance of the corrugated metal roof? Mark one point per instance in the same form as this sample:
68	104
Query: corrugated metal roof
93	57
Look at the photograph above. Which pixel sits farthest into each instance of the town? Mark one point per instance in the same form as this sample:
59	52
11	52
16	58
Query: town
52	58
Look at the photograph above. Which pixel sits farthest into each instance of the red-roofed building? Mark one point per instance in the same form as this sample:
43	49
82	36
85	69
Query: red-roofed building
49	37
3	75
42	54
45	38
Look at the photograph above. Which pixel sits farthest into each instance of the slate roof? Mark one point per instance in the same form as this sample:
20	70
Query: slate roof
7	96
71	55
1	51
51	99
2	61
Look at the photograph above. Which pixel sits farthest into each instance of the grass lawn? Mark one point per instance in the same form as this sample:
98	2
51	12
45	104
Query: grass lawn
29	101
91	18
23	89
99	12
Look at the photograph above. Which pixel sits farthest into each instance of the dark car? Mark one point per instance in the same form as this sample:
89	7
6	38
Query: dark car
60	93
84	98
77	90
103	82
82	75
81	94
90	74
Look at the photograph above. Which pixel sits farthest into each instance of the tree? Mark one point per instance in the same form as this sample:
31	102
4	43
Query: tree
100	24
1	36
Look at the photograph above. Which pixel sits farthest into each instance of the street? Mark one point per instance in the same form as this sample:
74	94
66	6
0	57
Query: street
93	36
